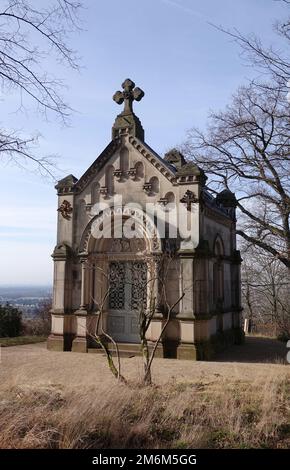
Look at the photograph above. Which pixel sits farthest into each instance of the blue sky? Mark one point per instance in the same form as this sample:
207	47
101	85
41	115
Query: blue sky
185	66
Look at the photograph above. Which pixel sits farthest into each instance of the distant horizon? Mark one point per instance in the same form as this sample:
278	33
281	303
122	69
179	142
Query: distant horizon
5	286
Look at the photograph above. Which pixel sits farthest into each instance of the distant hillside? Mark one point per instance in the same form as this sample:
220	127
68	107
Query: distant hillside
24	291
25	298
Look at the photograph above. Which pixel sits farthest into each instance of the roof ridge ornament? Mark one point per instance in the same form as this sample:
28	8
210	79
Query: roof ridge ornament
127	122
129	95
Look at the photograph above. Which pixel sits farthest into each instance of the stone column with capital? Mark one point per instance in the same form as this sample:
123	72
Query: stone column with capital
83	301
79	343
61	327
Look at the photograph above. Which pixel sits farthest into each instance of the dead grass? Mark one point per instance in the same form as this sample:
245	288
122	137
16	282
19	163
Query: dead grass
51	400
182	415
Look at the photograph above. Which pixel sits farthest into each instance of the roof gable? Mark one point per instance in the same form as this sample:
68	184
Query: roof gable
145	151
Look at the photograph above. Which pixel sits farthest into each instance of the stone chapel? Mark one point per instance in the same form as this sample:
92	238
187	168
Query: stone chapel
141	231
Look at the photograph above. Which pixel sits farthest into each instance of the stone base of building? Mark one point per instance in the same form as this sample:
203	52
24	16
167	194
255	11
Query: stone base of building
55	343
176	350
206	349
79	344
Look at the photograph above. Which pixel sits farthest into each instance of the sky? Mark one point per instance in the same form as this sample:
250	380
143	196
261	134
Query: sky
170	49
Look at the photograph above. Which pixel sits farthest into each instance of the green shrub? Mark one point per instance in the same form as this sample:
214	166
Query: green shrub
10	321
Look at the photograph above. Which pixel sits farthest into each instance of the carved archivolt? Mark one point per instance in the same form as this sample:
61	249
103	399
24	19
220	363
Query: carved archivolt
147	239
125	245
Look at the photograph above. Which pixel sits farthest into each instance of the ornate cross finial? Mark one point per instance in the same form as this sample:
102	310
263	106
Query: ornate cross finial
129	94
189	198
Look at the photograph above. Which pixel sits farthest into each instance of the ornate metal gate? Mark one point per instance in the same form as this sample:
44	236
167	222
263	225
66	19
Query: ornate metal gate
127	292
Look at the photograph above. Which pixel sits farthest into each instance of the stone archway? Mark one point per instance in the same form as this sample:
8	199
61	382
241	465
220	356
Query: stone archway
117	279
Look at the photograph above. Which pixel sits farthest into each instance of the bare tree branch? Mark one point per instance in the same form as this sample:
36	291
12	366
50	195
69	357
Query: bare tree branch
28	36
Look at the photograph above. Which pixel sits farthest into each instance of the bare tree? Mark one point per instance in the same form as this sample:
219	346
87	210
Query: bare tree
29	34
246	149
100	335
145	315
265	289
269	61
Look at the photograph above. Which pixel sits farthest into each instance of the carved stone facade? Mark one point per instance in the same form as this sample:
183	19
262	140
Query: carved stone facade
135	228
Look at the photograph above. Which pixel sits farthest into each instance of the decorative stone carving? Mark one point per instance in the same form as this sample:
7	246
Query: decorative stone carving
189	198
66	185
129	94
118	174
125	245
65	209
155	242
120	245
104	190
132	173
163	201
147	187
174	157
127	121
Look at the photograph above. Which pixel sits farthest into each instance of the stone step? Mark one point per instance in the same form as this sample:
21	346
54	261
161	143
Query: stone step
127	350
122	352
128	346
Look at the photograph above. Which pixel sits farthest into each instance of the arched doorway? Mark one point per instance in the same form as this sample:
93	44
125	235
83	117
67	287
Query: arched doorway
120	277
127	274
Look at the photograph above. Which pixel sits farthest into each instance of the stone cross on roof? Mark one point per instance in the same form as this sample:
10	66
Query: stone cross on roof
129	94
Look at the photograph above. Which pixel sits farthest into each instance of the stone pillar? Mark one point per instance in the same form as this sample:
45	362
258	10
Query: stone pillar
155	327
61	324
83	285
79	343
186	286
201	287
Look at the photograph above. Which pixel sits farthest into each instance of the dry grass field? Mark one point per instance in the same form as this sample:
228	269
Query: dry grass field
70	400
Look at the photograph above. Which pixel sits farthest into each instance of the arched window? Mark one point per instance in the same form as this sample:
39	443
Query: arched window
124	160
154	181
139	170
109	180
170	197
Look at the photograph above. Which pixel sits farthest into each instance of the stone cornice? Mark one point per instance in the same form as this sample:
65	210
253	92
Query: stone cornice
97	165
153	158
217	216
